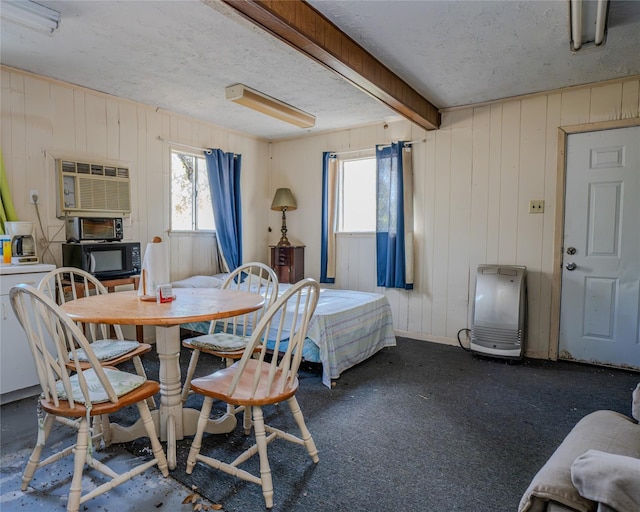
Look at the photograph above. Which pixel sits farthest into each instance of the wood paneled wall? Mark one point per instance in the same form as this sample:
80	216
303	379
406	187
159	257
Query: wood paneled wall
44	119
473	182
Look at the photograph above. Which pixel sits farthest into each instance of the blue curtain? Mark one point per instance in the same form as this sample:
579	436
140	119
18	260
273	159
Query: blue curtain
327	237
224	183
394	216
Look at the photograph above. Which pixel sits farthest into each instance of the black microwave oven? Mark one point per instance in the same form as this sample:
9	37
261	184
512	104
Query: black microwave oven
106	260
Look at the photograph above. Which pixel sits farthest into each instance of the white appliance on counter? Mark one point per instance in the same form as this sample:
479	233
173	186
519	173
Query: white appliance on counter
18	377
23	242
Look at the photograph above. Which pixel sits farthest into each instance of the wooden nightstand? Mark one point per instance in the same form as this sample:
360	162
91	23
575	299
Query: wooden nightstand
288	262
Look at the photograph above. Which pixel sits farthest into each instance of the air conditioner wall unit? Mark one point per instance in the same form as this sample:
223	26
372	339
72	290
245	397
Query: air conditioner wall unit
92	189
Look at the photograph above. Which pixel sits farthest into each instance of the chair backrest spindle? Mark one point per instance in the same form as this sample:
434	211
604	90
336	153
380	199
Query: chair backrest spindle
78	283
252	277
290	314
52	335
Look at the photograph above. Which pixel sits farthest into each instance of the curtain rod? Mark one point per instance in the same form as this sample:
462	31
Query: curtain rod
410	143
174	143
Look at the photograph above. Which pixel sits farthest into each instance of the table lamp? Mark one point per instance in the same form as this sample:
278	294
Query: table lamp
283	201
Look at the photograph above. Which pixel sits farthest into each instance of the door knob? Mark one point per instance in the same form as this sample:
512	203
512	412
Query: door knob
570	266
571	250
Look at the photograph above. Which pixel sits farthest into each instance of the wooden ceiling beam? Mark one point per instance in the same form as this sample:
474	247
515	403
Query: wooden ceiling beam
305	29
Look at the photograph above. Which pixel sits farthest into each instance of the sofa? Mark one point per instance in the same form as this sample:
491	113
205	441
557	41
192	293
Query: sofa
595	468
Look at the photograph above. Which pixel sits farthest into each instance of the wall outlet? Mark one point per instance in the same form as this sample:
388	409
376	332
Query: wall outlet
33	192
536	206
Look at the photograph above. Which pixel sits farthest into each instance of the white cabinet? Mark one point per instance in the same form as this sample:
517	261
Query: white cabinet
18	378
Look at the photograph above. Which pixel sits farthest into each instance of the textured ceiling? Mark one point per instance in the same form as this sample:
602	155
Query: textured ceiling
180	55
462	52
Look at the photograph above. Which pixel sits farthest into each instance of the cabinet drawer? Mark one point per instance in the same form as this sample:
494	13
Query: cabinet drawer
18	376
288	262
283	256
9	281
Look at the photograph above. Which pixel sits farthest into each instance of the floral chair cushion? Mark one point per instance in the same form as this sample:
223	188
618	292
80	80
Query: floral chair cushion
220	341
122	383
107	349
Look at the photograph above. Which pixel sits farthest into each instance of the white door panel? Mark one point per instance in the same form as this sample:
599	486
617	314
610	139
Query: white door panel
599	317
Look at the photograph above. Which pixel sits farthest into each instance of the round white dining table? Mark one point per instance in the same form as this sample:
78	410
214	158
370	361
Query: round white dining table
173	421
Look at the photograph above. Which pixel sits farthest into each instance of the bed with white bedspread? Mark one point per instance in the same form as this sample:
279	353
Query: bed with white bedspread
347	327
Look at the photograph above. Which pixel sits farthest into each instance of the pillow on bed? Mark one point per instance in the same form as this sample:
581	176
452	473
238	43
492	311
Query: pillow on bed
635	403
198	282
256	285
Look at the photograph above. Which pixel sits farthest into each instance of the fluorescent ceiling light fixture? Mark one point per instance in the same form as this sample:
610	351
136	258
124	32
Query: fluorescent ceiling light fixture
30	14
251	98
587	23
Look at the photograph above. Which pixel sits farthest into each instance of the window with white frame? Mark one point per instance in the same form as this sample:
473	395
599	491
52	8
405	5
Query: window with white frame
191	208
357	196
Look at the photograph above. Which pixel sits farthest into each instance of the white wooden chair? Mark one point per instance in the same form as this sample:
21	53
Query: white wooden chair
78	393
227	338
111	350
257	380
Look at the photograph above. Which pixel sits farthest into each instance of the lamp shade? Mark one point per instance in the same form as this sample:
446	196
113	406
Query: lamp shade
283	200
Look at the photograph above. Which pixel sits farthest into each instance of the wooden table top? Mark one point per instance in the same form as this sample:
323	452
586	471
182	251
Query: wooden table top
190	305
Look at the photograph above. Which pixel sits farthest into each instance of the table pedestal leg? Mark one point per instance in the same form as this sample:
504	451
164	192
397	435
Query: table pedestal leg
171	420
222	425
168	347
171	442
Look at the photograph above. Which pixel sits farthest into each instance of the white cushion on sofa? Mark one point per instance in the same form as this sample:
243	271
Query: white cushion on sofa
601	430
609	479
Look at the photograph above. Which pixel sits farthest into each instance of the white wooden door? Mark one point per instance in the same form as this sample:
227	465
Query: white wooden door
599	317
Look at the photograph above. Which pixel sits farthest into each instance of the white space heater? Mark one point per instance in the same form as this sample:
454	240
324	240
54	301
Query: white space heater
499	311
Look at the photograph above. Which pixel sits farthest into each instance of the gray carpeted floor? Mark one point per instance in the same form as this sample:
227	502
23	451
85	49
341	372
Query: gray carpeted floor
420	426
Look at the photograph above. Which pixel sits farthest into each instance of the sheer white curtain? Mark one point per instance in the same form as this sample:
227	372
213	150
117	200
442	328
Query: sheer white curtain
329	209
